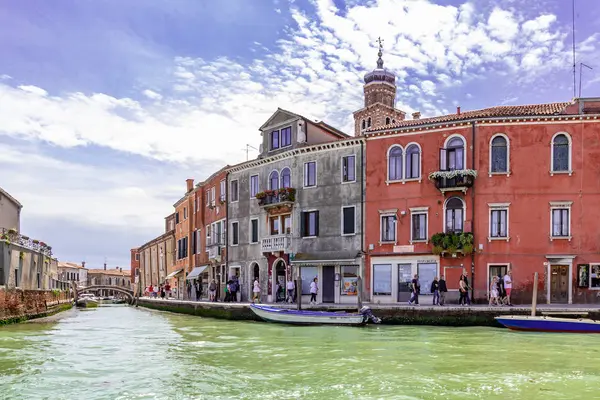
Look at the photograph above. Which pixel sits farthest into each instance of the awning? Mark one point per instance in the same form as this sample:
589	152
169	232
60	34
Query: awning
196	272
172	274
334	257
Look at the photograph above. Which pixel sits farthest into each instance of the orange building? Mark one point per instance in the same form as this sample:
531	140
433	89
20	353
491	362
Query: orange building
503	188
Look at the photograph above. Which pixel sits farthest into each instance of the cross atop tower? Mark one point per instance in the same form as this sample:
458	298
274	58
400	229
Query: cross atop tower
380	41
380	53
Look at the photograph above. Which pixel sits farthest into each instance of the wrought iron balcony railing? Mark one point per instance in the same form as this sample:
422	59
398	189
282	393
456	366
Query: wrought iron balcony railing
14	237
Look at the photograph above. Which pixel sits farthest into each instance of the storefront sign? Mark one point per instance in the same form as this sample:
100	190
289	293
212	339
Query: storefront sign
404	249
426	261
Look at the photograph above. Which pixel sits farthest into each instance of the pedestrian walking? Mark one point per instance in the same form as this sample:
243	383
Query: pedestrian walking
256	291
212	290
314	289
435	289
443	290
415	290
508	286
290	290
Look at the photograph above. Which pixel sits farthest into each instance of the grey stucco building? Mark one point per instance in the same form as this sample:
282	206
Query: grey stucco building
297	210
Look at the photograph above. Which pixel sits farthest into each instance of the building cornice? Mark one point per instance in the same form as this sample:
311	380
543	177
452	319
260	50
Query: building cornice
154	241
318	148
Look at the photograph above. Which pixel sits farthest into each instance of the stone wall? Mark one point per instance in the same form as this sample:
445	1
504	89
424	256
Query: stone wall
18	304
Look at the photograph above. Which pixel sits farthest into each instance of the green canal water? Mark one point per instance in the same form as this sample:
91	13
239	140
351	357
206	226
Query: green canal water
119	352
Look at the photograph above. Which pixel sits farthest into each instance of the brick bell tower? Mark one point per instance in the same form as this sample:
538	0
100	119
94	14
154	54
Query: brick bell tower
380	98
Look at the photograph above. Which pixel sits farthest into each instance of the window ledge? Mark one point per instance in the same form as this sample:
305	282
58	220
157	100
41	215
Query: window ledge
570	172
419	241
345	182
560	238
309	237
403	181
507	173
497	239
309	187
349	234
387	242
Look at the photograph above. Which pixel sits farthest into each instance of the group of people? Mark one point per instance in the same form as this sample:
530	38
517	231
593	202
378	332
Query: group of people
156	291
499	294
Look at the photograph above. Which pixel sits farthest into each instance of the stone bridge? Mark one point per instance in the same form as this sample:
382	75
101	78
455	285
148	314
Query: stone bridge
93	288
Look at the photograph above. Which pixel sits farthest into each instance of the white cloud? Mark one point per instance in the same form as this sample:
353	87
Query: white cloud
152	94
33	90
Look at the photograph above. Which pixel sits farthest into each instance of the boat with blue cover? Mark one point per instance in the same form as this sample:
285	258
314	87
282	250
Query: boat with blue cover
308	317
549	324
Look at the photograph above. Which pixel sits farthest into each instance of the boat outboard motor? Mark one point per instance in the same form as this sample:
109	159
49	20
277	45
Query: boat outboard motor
368	314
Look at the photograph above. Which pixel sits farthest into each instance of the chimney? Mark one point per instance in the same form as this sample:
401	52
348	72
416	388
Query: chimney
416	115
190	184
458	110
83	264
120	269
105	266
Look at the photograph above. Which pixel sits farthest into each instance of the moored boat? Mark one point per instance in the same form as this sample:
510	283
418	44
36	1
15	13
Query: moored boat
306	317
549	324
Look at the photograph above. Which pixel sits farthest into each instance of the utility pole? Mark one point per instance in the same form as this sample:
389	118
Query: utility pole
247	150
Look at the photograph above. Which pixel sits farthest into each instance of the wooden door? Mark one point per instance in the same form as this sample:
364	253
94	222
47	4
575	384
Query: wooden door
559	284
328	295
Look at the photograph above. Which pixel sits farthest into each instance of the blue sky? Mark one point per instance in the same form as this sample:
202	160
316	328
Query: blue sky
107	106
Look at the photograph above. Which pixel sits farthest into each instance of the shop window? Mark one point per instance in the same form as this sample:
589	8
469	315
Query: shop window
349	280
308	274
382	279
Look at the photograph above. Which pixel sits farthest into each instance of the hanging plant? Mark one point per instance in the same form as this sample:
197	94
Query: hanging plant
453	174
437	250
35	241
467	249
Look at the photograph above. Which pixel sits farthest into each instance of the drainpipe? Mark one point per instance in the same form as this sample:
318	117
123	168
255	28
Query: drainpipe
473	213
227	226
362	221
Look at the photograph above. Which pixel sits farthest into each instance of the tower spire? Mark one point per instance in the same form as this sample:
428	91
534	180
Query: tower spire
380	53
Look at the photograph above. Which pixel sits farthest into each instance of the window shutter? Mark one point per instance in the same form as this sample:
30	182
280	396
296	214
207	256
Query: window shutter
316	223
442	159
303	224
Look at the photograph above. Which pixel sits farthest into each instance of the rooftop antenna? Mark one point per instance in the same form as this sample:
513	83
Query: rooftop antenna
574	62
581	65
247	150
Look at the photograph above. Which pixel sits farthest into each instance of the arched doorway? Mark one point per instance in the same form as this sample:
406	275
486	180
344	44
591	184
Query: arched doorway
279	281
254	274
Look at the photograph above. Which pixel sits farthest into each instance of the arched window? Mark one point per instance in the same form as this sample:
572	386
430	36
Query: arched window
369	122
455	154
387	120
286	178
364	124
499	154
395	163
413	162
454	215
561	153
393	121
274	180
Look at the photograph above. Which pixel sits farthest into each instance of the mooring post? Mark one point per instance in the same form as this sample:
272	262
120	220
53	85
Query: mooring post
534	297
359	292
299	292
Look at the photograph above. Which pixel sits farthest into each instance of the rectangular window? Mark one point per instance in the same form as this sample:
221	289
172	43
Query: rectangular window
419	226
208	198
195	206
235	233
208	232
286	137
349	169
560	222
137	257
222	191
213	196
388	228
274	140
274	225
254	231
198	241
349	280
310	174
499	223
382	279
594	276
177	217
348	220
184	213
254	188
308	274
310	224
234	191
194	233
287	224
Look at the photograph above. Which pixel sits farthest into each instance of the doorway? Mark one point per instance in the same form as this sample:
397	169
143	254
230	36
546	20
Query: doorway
496	270
328	295
559	284
404	281
279	284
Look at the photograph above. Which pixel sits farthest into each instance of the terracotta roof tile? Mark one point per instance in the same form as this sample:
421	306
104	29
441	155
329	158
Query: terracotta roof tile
492	112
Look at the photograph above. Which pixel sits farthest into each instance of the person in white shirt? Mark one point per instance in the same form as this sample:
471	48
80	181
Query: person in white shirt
256	291
508	286
313	291
290	290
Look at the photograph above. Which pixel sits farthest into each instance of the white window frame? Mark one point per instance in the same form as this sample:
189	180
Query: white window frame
281	179
490	172
208	235
498	207
236	224
195	205
570	170
342	221
208	198
419	211
561	205
464	212
199	241
213	194
302	216
271	148
405	178
250	231
464	140
291	136
388	213
278	179
223	190
592	264
342	168
250	185
316	174
185	213
387	165
238	190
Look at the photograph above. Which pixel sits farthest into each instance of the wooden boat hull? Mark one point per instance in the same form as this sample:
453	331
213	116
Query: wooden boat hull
549	324
288	316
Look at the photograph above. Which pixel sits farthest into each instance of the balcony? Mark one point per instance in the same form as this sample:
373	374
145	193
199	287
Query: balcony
11	236
214	253
277	198
277	243
453	180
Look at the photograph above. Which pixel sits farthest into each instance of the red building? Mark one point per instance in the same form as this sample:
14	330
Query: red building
134	264
510	187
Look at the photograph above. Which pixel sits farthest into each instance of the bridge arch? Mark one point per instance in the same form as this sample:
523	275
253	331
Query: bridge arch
91	288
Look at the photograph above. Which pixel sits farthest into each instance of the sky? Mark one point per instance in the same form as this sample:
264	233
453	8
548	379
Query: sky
108	106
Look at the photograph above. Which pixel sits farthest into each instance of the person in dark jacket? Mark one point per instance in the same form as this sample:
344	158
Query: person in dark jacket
443	290
415	289
435	289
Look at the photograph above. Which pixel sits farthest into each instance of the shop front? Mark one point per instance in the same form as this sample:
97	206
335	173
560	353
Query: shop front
392	276
198	278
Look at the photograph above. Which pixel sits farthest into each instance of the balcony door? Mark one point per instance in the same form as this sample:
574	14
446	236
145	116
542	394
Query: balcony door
405	277
453	156
328	283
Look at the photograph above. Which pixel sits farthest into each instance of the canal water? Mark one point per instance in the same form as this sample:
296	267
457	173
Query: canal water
120	352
